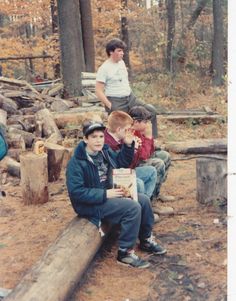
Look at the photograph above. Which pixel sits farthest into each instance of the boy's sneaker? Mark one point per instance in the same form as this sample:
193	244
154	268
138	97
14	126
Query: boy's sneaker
166	198
163	210
156	218
151	246
131	259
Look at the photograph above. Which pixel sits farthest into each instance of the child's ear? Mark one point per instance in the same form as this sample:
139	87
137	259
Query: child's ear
85	139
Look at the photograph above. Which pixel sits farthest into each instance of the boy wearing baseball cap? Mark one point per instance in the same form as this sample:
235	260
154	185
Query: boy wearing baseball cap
89	183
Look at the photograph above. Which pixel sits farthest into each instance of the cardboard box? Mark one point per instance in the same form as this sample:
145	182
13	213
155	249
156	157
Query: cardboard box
125	178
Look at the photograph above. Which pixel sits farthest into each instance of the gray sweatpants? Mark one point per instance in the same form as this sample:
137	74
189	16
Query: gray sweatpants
136	218
126	103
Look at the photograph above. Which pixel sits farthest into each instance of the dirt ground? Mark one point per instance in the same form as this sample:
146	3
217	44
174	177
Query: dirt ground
195	265
195	236
193	269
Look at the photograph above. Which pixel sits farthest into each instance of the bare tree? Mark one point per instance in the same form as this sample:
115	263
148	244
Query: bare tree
218	44
196	13
71	45
125	31
170	5
54	16
87	34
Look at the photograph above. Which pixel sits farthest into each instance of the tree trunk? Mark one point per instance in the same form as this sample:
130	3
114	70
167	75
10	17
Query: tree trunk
71	44
28	33
125	32
55	159
211	180
218	44
54	16
34	178
49	126
196	13
170	5
87	34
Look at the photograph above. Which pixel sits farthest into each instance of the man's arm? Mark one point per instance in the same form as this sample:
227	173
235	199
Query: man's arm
99	88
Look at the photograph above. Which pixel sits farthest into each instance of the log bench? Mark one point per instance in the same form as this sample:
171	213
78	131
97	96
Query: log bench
57	273
198	146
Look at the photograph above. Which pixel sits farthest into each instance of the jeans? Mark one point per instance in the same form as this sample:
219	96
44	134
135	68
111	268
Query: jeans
146	179
161	161
136	218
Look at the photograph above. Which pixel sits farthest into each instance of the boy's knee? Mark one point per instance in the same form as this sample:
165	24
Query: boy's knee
135	208
143	200
153	171
140	186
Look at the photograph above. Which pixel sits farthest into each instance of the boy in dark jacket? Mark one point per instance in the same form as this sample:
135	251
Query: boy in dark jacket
89	184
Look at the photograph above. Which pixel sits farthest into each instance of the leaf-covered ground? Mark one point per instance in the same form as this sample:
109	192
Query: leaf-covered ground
195	265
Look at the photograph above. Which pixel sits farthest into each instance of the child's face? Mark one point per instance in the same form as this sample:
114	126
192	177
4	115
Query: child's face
95	141
121	131
140	125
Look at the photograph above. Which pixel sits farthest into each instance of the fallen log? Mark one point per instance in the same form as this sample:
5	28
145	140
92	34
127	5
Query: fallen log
28	137
48	124
15	140
12	166
15	153
34	178
58	272
211	180
3	117
194	119
204	111
71	117
20	83
203	146
24	120
8	105
55	159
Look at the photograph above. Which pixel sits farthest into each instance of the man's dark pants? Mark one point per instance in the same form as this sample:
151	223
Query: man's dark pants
126	103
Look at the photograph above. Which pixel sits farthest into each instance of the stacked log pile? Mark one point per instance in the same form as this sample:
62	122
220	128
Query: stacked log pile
33	112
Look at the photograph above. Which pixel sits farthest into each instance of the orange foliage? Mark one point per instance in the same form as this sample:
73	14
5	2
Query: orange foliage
147	33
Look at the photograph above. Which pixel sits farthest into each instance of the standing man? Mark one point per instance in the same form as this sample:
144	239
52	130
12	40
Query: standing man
112	84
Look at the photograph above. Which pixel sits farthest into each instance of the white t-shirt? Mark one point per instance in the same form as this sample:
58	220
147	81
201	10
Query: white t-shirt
115	78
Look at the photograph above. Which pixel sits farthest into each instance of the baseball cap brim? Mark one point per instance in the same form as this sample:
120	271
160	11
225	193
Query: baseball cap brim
88	129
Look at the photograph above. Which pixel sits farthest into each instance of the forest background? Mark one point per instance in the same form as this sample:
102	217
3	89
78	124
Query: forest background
181	45
177	49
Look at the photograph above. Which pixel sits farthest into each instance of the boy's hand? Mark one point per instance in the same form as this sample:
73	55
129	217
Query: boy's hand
115	193
138	142
129	137
148	130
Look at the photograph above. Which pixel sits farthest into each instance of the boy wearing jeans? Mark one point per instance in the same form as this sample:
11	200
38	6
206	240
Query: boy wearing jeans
88	179
117	124
146	154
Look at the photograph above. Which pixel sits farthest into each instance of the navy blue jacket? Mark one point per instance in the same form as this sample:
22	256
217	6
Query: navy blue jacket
82	179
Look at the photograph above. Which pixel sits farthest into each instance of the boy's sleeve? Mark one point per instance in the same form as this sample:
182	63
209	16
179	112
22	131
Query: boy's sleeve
77	189
124	157
146	149
101	75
